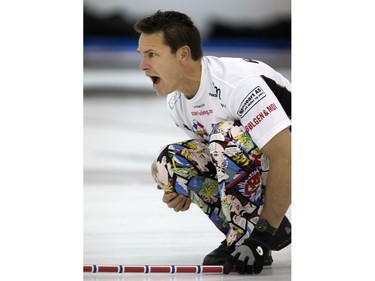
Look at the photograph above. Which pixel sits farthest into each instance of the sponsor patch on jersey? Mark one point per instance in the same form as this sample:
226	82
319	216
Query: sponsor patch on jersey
250	101
173	100
260	117
202	112
217	93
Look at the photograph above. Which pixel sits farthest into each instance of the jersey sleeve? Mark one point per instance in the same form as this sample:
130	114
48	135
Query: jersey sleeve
259	110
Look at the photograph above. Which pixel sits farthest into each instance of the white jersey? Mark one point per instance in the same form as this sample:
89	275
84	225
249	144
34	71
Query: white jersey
235	89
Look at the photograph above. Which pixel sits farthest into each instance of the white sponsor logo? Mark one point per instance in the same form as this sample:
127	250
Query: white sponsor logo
250	101
259	250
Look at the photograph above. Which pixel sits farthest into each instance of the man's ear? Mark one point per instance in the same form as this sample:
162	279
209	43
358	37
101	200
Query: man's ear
184	54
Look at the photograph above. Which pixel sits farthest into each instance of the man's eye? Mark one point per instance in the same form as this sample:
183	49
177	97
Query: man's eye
150	55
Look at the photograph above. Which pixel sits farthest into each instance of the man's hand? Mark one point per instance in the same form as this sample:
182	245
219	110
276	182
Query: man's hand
177	202
248	258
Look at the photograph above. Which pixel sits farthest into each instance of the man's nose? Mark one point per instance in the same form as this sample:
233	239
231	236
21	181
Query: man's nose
143	65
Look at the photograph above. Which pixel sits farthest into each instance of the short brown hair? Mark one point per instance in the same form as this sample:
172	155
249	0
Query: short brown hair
177	28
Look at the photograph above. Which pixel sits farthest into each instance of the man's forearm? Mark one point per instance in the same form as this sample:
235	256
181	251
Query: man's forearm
278	186
277	193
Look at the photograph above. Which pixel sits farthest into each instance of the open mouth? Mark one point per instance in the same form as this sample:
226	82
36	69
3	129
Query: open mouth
155	80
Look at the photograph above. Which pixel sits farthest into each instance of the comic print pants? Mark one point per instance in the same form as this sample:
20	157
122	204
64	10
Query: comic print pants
225	177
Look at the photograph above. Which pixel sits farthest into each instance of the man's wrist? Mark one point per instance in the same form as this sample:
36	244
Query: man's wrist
263	226
263	231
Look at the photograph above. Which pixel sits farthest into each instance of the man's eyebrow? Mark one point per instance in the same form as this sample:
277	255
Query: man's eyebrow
145	52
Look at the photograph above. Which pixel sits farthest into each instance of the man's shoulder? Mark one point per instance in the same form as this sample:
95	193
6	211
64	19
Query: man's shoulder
232	71
232	60
214	61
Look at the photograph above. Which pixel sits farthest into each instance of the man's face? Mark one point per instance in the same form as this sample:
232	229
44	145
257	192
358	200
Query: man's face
159	63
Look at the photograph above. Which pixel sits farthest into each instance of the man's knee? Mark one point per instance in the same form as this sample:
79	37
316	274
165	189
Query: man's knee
161	170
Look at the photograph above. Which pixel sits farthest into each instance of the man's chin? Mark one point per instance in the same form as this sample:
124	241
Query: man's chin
161	93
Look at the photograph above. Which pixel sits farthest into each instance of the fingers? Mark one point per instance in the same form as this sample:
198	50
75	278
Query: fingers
258	268
177	202
186	205
242	265
245	267
231	261
169	196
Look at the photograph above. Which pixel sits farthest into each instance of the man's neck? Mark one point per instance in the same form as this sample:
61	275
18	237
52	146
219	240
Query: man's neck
193	79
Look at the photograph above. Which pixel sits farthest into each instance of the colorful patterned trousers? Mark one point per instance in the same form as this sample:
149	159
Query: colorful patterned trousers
225	177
